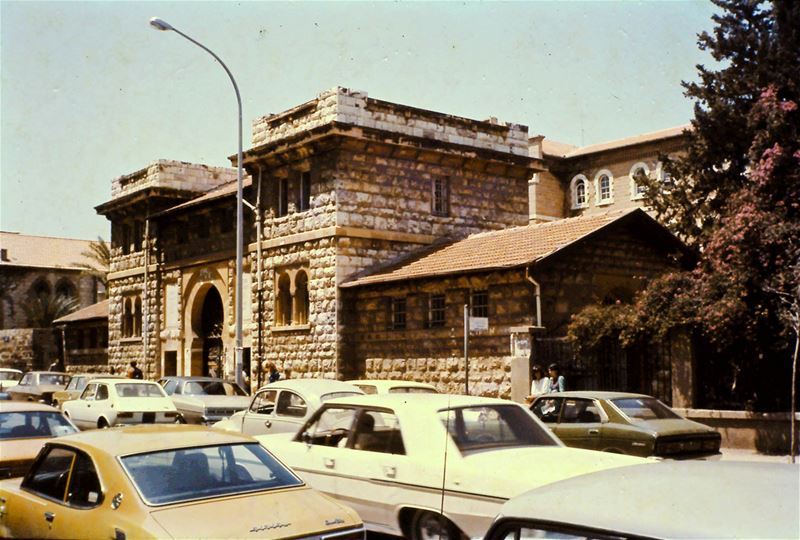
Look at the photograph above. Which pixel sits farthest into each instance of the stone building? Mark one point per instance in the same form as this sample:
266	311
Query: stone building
343	189
84	339
33	268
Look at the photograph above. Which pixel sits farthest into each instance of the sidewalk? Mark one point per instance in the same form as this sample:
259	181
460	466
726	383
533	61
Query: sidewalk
741	454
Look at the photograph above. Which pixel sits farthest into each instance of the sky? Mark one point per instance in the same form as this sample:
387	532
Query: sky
89	91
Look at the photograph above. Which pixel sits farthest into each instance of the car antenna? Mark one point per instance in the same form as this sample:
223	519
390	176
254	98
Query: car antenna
444	468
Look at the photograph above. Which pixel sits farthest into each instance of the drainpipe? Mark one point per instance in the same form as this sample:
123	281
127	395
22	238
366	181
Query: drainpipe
537	291
259	277
145	303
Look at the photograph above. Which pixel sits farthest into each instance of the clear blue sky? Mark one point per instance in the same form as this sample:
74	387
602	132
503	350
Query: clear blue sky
90	92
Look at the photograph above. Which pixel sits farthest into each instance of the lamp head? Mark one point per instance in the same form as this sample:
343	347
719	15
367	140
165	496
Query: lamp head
159	24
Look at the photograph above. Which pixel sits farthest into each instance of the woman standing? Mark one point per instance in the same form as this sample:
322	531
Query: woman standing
539	384
557	382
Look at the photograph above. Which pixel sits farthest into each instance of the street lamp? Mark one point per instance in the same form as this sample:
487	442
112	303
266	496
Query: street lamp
159	24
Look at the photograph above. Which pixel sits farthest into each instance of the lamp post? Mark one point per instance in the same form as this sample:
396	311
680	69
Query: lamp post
159	24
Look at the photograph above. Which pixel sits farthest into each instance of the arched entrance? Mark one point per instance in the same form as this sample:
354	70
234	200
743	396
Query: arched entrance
210	331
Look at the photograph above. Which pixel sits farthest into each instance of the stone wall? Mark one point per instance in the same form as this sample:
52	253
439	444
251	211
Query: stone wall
29	348
177	175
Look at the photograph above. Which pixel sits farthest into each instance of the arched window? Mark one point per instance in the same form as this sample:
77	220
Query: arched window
639	170
40	289
604	187
300	298
65	289
137	316
127	318
283	303
578	191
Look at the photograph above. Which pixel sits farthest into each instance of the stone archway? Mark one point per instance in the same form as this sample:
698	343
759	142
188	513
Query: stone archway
205	341
210	332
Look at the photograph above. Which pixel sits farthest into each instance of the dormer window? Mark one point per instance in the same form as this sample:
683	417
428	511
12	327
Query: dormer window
579	193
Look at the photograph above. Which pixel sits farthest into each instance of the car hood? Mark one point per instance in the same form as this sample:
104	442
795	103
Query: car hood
673	426
517	470
215	402
295	512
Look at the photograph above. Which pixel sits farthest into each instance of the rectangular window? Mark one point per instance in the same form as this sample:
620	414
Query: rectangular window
283	197
398	308
436	311
441	196
305	191
138	235
479	304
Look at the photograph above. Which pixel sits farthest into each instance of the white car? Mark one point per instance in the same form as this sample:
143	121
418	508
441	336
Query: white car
673	499
9	377
285	405
116	402
388	386
404	462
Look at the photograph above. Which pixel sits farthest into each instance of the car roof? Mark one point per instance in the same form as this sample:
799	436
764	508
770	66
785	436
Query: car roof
118	380
47	372
390	383
673	499
24	406
191	378
595	394
421	402
316	386
10	370
121	441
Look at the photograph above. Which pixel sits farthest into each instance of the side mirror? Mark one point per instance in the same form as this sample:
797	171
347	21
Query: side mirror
306	437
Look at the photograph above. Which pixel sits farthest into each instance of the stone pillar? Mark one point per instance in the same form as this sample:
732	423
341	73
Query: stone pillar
683	369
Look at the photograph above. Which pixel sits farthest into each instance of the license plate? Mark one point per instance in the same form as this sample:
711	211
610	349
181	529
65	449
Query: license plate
148	417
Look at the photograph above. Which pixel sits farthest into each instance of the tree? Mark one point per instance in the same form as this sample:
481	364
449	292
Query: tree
735	198
43	309
99	253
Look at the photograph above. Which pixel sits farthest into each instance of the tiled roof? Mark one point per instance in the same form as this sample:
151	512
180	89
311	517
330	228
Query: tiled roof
95	311
42	251
628	141
497	249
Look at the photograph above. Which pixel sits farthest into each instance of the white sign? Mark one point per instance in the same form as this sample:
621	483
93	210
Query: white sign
478	323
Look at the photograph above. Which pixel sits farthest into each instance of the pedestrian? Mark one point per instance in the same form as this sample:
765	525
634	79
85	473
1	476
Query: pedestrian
134	372
55	365
557	382
112	370
539	384
273	373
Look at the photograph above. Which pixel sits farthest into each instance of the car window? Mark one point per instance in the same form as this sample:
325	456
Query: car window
48	476
376	431
53	378
644	408
264	402
33	424
9	376
487	426
169	386
27	379
89	392
214	388
291	404
368	388
547	409
331	426
411	390
579	411
334	395
84	486
73	384
149	390
171	476
102	392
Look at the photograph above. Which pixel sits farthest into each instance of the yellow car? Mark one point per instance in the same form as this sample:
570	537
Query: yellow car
166	481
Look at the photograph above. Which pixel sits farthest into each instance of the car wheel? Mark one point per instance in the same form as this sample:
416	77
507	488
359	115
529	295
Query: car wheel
102	423
431	526
180	419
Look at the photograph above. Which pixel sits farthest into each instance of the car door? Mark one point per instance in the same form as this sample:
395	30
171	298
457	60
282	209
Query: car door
548	410
257	419
79	409
580	423
291	412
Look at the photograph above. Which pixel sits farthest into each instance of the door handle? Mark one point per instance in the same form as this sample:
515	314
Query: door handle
594	432
330	463
49	517
268	423
390	471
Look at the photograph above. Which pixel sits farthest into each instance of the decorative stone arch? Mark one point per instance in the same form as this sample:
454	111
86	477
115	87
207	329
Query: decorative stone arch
39	288
579	191
291	296
196	287
66	288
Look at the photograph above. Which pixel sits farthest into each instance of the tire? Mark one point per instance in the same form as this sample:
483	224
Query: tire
102	423
432	526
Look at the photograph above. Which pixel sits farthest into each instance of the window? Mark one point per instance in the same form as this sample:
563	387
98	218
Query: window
283	197
138	235
436	311
264	402
398	313
638	171
580	411
547	409
48	476
290	404
125	238
292	300
132	317
578	191
376	431
604	187
441	196
300	298
479	303
304	202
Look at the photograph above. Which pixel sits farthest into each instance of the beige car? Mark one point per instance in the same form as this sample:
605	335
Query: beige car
9	377
75	387
389	386
167	482
24	427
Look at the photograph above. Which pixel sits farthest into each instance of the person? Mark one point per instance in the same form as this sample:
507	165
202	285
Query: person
557	382
539	384
55	365
274	375
112	370
134	372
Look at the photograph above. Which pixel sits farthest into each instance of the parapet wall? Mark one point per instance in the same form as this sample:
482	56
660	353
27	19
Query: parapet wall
173	175
345	106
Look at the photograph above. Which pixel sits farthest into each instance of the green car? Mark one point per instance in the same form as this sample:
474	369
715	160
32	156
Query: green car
625	423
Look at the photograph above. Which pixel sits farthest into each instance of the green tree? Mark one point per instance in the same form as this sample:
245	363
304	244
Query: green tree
43	309
99	253
735	198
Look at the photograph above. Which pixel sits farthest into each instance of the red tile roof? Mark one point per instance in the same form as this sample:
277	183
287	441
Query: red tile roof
497	249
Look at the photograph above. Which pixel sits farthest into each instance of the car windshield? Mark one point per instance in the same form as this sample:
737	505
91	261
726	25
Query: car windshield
53	378
412	390
139	390
9	376
33	424
184	474
647	408
494	426
334	395
212	388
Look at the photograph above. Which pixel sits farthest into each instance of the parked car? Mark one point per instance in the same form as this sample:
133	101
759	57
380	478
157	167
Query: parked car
677	499
39	386
285	405
9	377
625	423
116	402
75	387
387	386
205	400
166	482
403	463
24	428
